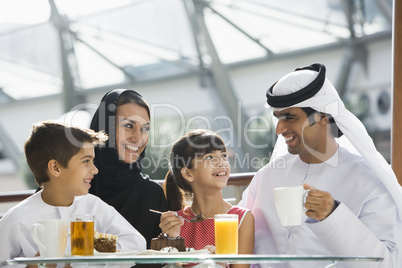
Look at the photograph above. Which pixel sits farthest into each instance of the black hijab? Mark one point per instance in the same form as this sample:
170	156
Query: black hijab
122	185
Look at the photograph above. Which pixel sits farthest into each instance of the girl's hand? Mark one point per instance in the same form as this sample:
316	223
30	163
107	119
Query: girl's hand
211	248
170	224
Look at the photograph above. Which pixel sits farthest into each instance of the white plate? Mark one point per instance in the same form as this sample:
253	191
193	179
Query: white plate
127	253
157	252
146	252
96	253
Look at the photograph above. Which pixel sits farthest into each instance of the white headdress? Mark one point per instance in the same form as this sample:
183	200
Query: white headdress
308	87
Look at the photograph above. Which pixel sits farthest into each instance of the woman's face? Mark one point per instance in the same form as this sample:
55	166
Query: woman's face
132	131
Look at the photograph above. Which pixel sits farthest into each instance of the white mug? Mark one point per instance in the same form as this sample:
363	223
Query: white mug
51	237
289	203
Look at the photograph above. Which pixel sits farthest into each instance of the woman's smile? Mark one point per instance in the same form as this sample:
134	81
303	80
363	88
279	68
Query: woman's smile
131	147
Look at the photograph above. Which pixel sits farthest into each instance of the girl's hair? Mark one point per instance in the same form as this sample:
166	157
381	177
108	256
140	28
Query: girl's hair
190	146
131	96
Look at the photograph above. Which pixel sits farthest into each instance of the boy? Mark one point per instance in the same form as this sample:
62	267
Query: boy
61	159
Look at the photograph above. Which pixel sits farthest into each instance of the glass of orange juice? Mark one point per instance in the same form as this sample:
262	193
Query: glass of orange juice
226	233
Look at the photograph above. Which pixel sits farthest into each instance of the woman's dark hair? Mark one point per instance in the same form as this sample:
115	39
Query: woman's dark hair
334	128
192	145
131	96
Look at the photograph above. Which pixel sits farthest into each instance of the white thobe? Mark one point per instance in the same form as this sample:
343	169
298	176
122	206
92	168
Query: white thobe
364	223
15	226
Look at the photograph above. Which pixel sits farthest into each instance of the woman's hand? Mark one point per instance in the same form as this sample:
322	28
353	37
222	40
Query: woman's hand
170	224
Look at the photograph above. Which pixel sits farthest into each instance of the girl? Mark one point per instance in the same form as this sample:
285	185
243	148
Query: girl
199	169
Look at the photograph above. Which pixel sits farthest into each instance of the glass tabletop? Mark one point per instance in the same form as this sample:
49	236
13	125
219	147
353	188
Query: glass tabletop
190	258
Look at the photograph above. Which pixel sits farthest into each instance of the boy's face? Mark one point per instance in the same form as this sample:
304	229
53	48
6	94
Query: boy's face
79	172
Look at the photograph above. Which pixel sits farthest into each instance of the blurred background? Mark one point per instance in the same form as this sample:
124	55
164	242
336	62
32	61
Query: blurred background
199	64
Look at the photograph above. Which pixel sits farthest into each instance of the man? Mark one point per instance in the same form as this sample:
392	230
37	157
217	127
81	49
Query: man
354	206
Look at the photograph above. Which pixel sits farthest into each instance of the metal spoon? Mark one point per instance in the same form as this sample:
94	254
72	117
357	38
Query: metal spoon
159	212
197	218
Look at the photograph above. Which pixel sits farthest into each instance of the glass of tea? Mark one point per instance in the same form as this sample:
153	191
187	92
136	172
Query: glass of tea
82	235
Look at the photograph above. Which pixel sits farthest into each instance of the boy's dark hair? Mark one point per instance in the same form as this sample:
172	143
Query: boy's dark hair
334	128
190	146
52	140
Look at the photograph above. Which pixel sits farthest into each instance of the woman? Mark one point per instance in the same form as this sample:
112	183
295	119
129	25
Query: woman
125	116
